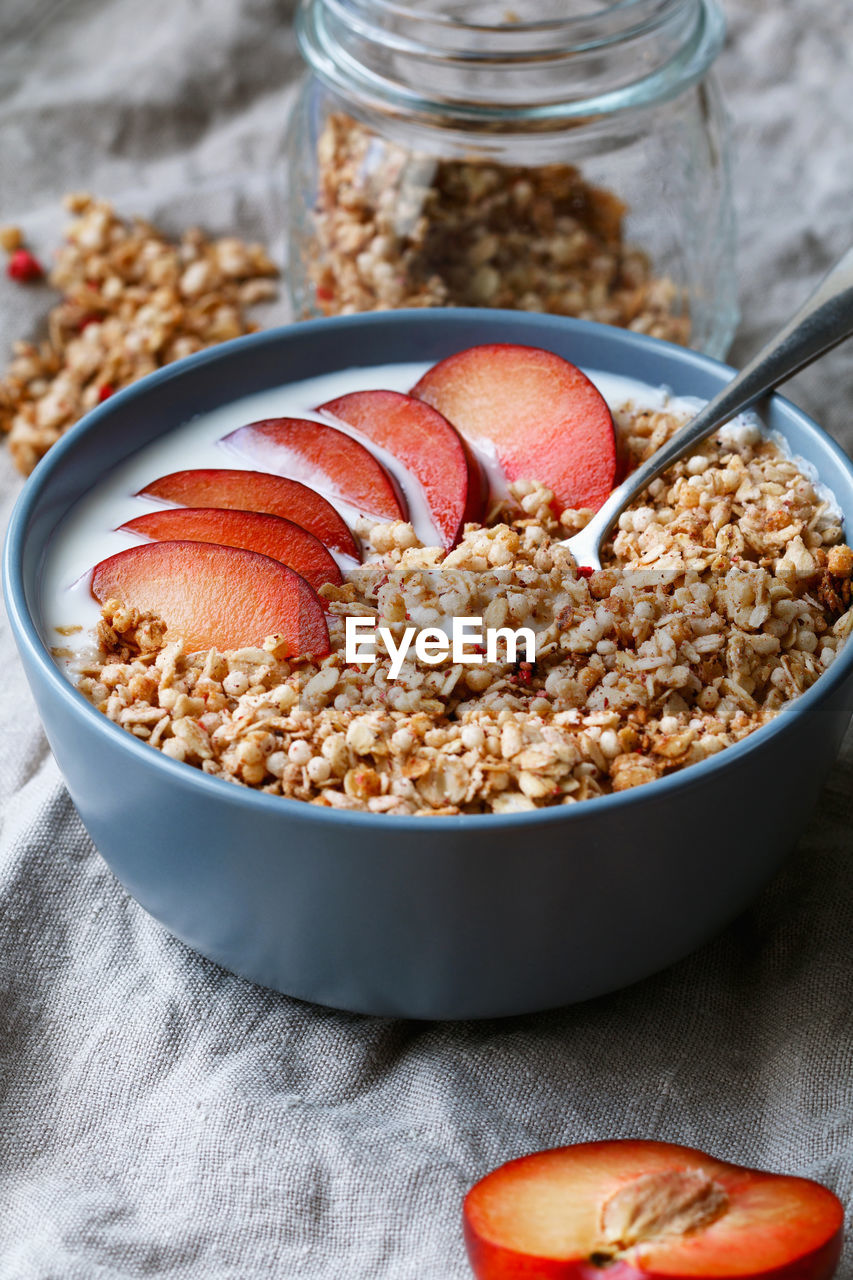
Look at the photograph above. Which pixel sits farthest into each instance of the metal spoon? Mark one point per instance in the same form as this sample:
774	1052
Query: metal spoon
823	321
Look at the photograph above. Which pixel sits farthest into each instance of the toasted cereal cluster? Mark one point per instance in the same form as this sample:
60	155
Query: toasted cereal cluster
11	239
726	594
132	302
396	229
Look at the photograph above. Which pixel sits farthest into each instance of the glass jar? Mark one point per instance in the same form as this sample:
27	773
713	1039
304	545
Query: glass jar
459	153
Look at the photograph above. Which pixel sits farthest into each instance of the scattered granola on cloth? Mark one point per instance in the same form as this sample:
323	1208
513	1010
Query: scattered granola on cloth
727	595
132	302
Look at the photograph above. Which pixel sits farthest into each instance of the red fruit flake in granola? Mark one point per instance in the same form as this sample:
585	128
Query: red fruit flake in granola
105	391
24	267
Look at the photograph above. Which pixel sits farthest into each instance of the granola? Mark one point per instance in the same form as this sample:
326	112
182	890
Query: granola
132	302
725	594
395	229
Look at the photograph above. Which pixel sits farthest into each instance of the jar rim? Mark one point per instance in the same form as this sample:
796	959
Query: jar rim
517	25
675	41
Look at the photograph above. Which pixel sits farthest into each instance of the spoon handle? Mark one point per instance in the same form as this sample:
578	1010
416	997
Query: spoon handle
823	321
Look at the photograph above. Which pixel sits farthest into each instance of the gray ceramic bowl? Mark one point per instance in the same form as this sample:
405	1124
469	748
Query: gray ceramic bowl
422	917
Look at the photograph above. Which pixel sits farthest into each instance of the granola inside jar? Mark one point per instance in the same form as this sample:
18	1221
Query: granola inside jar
566	158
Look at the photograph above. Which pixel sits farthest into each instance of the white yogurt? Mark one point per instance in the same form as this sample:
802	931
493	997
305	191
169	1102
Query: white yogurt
90	532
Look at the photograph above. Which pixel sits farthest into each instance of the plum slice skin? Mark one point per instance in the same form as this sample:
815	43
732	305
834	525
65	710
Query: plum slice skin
252	596
427	445
547	420
343	466
259	491
252	530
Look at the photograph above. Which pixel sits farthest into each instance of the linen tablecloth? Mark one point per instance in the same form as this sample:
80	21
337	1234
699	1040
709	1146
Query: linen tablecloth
160	1117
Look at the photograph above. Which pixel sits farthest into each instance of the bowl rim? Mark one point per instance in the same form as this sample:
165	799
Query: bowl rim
28	638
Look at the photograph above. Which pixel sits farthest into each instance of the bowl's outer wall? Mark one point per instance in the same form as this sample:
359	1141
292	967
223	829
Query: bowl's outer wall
448	917
468	923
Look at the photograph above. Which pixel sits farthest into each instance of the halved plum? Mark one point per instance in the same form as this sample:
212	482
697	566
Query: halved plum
216	597
322	457
427	445
545	418
642	1210
257	491
268	535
